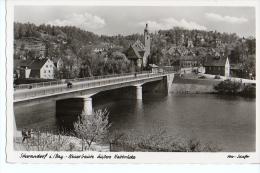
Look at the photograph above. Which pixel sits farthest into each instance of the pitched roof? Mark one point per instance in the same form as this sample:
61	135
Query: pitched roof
55	60
139	53
212	61
187	58
38	63
153	65
139	44
21	62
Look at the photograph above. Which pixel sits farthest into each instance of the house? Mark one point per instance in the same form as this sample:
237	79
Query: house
139	52
217	66
190	44
153	68
23	62
237	70
221	51
97	47
57	62
186	61
21	67
137	55
42	68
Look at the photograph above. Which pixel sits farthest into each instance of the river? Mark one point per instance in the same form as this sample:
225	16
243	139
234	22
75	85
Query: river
227	121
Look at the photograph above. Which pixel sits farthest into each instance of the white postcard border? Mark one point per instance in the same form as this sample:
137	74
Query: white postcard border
140	157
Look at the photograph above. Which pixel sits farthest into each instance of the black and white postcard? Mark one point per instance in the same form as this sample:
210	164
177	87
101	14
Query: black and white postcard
132	82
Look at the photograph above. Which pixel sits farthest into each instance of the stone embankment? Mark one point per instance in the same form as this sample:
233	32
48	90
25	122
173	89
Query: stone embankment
202	83
191	83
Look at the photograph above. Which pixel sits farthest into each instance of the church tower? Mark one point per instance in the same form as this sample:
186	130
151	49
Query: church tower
147	40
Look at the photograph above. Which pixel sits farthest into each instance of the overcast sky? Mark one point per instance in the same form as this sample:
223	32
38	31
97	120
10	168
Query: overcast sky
126	20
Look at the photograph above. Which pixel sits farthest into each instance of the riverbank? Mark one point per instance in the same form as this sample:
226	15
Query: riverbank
68	143
198	84
193	83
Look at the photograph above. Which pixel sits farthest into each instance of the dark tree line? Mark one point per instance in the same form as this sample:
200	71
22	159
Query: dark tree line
76	39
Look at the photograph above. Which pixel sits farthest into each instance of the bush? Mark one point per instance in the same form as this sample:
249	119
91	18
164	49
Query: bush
92	128
47	141
228	86
159	141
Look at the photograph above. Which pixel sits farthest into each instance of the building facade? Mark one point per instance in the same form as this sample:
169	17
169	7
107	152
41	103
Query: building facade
42	68
217	66
139	52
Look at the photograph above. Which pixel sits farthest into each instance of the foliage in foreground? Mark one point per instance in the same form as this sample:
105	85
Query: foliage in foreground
88	129
48	141
92	128
160	141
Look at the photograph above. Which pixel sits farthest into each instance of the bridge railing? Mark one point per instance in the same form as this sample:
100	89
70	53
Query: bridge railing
37	92
75	80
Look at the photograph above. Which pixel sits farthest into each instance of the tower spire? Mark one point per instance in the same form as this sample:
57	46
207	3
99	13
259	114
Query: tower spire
146	30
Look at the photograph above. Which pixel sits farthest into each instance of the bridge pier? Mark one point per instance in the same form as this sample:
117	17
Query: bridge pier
132	93
139	95
87	106
160	86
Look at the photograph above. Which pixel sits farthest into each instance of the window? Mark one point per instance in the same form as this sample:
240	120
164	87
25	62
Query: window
50	66
44	71
46	66
49	71
219	68
209	68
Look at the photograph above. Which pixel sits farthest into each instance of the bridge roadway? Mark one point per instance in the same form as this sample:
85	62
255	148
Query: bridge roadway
40	95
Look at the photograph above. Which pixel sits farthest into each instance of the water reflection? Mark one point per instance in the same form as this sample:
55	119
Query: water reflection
228	121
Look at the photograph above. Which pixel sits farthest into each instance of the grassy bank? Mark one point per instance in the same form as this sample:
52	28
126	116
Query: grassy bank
50	142
195	79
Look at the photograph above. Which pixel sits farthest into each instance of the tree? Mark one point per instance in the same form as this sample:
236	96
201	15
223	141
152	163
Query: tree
156	57
70	67
92	128
22	46
249	64
16	30
251	43
228	86
235	55
49	49
32	54
22	31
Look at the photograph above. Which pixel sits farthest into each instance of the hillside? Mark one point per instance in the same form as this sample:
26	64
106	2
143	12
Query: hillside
167	46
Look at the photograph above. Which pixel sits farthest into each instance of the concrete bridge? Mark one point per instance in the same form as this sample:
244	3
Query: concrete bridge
125	87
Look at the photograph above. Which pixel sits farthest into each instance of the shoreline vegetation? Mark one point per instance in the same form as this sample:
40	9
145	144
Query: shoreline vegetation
133	141
52	142
193	83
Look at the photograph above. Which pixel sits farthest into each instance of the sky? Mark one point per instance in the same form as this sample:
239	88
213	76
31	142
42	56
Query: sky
127	20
